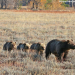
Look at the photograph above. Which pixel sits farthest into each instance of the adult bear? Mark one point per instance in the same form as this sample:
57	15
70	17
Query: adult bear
38	47
23	46
9	46
59	48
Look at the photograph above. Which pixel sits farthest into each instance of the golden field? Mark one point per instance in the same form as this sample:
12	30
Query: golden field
33	27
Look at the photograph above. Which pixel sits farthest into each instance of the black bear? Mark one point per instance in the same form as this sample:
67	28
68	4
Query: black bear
23	46
59	48
9	46
38	47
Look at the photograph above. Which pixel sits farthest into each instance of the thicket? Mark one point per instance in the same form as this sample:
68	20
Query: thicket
64	4
34	4
55	5
48	4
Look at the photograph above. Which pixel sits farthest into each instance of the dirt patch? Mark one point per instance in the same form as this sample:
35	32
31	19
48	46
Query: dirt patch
41	11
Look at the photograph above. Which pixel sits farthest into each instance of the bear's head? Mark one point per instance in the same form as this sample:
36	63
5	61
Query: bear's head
41	48
71	45
13	45
27	46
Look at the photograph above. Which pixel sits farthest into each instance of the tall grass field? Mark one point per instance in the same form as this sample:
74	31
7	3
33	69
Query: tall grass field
32	27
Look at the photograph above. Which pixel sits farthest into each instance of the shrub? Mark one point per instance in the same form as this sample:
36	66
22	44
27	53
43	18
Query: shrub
53	5
65	5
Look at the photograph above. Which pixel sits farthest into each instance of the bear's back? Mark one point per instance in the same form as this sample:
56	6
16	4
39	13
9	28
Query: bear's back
54	44
33	46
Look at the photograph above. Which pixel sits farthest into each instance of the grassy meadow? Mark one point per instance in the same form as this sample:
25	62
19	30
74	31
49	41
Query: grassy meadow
33	27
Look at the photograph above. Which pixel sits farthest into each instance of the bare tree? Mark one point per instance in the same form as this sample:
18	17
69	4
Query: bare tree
35	3
5	3
1	4
11	4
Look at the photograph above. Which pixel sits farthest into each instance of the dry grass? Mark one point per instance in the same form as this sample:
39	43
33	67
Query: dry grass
35	27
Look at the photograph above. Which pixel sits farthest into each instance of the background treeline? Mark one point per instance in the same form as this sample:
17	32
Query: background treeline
33	4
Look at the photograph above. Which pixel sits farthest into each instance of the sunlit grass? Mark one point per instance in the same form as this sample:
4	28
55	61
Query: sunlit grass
37	27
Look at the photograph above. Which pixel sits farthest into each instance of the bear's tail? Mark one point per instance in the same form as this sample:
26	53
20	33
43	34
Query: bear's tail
47	51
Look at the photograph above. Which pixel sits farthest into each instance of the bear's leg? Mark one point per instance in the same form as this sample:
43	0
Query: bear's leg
37	52
41	53
60	57
56	58
65	55
47	55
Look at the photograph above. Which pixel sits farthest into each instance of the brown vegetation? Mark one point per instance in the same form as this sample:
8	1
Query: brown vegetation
35	27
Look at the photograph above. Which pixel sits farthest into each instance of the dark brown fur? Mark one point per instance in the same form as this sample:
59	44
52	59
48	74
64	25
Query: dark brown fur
59	48
9	46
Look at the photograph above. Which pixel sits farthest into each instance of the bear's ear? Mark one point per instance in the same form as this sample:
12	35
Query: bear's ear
38	43
68	41
24	44
14	43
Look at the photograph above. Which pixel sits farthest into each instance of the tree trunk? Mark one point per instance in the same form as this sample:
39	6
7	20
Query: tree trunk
5	4
33	5
36	5
1	4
